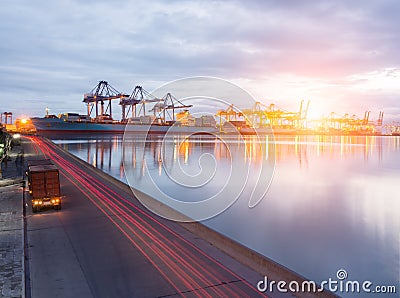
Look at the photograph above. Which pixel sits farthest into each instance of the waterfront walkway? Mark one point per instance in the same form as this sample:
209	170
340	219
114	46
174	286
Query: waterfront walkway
11	226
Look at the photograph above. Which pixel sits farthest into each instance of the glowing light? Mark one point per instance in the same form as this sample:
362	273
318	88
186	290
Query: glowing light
315	112
24	121
184	150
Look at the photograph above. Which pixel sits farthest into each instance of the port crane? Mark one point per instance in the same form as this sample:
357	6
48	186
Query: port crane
257	114
351	123
102	92
283	118
7	116
261	115
230	112
380	119
168	103
140	97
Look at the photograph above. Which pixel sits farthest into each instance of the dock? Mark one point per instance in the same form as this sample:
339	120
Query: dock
104	243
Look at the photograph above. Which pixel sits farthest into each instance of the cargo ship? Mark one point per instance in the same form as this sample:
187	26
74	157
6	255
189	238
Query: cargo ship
75	123
162	119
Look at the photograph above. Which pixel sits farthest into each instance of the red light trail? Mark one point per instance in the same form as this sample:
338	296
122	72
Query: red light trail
187	268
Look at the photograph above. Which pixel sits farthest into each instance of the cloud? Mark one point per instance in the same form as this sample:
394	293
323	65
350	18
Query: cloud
60	49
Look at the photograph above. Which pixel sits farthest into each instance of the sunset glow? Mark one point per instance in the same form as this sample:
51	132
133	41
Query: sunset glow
330	53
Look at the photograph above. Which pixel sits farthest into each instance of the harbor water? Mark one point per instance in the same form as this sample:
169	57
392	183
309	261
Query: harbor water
333	202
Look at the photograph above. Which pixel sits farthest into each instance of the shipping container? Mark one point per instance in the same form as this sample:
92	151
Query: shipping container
44	185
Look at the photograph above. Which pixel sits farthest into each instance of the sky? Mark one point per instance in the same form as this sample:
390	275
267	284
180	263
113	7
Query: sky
343	56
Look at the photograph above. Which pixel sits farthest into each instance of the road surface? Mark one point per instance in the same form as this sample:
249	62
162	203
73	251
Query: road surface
103	243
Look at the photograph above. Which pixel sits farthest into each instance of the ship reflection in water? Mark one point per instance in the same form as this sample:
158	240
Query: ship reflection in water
334	201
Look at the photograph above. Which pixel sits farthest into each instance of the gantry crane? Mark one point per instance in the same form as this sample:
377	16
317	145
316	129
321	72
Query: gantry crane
138	96
261	115
99	94
228	113
380	119
350	124
7	116
169	102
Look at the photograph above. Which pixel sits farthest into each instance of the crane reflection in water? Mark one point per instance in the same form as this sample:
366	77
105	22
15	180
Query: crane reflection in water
106	152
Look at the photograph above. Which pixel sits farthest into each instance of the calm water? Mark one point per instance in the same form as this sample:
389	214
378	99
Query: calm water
334	202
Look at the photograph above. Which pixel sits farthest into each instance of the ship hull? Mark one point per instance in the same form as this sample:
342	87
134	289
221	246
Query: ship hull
51	126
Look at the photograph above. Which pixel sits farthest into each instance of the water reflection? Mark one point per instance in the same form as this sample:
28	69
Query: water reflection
334	201
99	152
337	147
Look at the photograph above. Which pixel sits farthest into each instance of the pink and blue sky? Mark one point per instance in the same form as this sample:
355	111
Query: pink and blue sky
341	55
